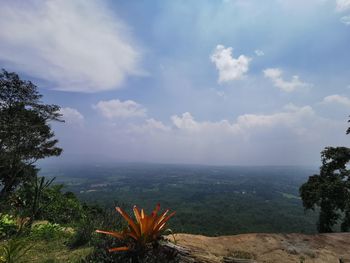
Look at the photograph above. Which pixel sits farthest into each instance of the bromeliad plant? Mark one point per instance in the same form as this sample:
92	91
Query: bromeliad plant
146	229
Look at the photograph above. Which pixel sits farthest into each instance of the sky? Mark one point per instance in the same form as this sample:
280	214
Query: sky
223	82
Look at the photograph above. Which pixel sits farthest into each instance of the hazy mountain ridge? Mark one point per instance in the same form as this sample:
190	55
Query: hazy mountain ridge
209	200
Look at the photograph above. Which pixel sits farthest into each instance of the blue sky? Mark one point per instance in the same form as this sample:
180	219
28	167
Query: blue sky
241	82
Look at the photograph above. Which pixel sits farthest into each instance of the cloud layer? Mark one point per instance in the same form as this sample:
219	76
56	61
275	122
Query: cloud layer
345	20
275	75
337	99
193	114
72	116
229	68
120	109
342	5
259	52
72	45
242	140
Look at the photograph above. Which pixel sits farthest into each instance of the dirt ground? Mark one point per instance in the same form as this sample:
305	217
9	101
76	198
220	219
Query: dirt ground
268	248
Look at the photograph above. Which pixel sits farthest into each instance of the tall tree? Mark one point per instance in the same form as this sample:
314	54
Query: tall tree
330	190
25	133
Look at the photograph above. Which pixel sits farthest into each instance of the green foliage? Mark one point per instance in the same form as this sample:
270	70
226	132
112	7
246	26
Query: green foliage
25	133
52	250
8	226
14	251
64	208
254	202
40	200
330	190
32	197
95	217
47	231
83	234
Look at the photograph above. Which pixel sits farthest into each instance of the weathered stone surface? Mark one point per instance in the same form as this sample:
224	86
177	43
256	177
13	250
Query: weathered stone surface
286	248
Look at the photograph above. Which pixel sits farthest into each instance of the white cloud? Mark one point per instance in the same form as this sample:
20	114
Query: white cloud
70	45
345	20
186	122
342	5
338	99
229	68
259	52
289	117
244	140
291	135
120	109
72	116
150	126
275	75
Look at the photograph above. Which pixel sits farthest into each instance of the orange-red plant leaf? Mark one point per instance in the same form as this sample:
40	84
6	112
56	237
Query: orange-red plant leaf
145	229
163	222
115	234
160	218
129	220
137	214
133	235
155	211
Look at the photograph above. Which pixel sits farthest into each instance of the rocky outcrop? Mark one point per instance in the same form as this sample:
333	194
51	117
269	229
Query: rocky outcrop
266	248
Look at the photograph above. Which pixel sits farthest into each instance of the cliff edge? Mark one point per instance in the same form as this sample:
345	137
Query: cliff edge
268	248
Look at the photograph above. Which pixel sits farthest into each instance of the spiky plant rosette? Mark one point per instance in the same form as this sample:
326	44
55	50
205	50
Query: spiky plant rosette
145	230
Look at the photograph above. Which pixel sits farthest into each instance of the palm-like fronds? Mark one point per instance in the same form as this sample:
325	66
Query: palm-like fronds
146	228
14	251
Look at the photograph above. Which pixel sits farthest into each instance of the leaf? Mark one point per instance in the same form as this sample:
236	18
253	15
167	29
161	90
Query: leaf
163	222
137	214
115	234
129	220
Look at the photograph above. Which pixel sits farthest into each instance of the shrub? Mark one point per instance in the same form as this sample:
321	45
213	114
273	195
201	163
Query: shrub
47	231
94	217
41	200
82	235
62	208
8	226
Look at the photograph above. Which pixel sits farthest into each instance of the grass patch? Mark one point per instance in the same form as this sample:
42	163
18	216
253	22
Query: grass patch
55	250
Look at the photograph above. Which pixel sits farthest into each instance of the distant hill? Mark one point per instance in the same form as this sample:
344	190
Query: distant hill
209	200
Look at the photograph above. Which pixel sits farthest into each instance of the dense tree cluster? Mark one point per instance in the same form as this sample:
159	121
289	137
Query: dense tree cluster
25	133
330	190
